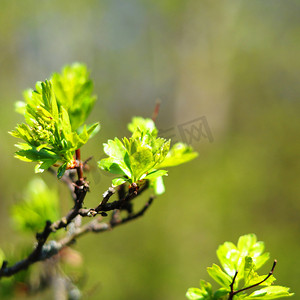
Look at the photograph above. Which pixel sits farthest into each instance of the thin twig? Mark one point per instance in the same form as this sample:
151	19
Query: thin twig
231	286
105	206
232	293
96	226
114	223
156	110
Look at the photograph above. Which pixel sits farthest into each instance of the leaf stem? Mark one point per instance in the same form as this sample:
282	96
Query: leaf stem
79	167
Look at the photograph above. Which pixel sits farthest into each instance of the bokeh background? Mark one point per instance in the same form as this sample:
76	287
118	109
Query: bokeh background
234	64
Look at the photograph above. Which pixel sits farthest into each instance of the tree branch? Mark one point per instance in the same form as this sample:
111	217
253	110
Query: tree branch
96	226
41	251
44	251
80	192
33	257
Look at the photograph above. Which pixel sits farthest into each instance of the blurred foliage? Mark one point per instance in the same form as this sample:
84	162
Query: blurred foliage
235	62
40	204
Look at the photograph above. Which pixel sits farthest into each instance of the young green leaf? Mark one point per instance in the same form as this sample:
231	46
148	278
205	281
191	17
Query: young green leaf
251	277
158	185
228	256
232	257
180	153
143	124
73	90
270	292
216	273
118	181
222	294
48	133
204	293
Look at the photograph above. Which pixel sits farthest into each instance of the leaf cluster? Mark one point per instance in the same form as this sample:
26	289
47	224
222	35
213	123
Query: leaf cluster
245	258
53	113
142	156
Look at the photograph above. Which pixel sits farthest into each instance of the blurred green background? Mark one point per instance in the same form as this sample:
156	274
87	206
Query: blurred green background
236	63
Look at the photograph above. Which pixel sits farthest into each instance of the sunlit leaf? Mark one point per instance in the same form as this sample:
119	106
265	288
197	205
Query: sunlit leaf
221	294
118	181
219	276
270	292
158	185
73	90
143	124
180	153
204	293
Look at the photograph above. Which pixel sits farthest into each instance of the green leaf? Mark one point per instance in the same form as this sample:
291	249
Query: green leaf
93	129
219	276
20	107
118	162
143	124
221	294
180	153
204	293
251	277
33	154
270	292
228	256
40	204
140	161
118	181
232	257
248	245
155	174
61	170
73	89
196	294
109	164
